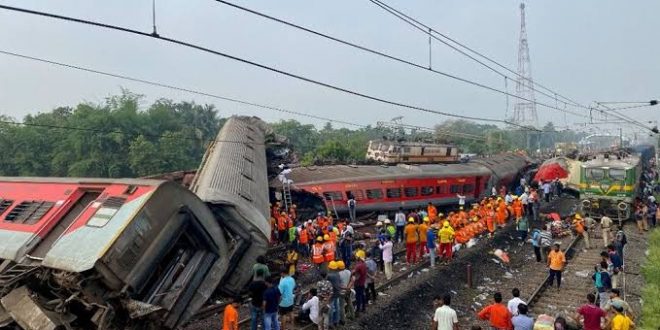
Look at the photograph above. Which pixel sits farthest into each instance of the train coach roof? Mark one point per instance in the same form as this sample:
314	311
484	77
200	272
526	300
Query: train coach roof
309	175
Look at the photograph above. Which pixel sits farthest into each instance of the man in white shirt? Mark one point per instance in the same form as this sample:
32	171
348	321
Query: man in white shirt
461	200
512	306
445	317
312	305
605	227
508	199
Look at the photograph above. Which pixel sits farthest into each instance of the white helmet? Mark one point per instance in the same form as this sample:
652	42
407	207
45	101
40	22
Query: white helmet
387	221
379	223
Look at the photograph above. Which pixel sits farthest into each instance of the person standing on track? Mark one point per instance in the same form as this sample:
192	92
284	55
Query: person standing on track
497	314
257	289
617	265
536	244
271	301
605	225
287	286
446	235
546	242
386	247
431	246
556	263
578	225
590	315
422	231
411	236
512	305
400	223
444	317
359	283
603	282
230	315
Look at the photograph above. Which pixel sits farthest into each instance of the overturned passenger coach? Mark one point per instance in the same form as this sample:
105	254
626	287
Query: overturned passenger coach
134	253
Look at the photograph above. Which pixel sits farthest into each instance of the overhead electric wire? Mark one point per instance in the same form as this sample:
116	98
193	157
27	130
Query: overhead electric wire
395	58
428	28
182	89
192	91
253	63
429	31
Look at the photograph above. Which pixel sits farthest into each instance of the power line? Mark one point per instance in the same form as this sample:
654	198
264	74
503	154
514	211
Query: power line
163	85
408	19
253	63
425	29
395	58
182	89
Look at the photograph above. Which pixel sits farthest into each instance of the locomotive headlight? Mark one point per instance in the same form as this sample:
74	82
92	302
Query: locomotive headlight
622	206
586	203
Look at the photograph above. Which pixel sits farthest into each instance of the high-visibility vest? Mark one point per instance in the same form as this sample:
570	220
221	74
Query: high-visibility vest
329	253
303	236
317	253
281	222
333	236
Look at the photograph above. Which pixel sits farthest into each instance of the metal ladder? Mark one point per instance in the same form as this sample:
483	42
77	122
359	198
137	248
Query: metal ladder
286	195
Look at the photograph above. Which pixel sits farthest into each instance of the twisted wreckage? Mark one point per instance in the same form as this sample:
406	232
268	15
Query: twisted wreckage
81	253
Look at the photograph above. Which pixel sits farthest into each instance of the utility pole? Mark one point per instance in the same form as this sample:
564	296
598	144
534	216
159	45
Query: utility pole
620	137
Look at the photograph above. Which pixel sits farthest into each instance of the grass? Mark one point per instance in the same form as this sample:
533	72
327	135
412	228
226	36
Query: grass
651	291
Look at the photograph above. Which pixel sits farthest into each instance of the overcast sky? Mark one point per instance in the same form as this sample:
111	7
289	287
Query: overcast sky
603	50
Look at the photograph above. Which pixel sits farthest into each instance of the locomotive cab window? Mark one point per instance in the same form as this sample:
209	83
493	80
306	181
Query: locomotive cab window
427	191
617	174
455	189
595	173
374	194
332	195
393	192
410	191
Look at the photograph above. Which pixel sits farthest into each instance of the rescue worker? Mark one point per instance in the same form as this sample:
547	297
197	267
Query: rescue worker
432	212
282	226
421	231
293	214
391	230
578	225
446	235
517	208
329	248
303	239
317	254
490	220
411	237
502	214
497	314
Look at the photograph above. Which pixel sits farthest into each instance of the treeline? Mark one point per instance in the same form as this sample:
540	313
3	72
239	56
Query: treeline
113	139
122	137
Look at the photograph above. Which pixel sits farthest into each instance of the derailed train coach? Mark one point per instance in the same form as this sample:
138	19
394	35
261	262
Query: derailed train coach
134	253
95	253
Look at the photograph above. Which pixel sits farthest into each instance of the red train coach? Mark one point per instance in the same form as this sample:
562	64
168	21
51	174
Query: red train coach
383	188
110	252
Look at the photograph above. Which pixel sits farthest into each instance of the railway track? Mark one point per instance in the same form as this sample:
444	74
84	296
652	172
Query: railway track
576	281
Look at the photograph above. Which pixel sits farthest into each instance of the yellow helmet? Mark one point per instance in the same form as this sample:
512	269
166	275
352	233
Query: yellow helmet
319	239
360	254
326	237
340	264
445	224
426	219
411	219
332	265
578	216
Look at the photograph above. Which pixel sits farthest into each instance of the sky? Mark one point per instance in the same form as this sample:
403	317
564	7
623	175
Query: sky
588	50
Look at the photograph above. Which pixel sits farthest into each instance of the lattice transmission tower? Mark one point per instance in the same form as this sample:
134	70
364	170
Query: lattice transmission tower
524	109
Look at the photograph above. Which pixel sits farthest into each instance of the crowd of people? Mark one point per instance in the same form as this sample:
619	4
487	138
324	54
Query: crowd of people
347	262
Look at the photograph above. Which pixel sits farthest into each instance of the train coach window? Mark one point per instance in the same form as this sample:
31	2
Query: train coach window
595	173
374	194
426	191
441	190
357	194
468	188
617	174
454	189
332	195
393	192
410	191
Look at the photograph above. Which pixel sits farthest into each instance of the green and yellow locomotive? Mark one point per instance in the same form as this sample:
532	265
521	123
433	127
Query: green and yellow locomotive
609	185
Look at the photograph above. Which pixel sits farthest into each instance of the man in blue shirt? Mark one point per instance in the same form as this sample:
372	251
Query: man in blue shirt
286	287
617	265
431	237
271	300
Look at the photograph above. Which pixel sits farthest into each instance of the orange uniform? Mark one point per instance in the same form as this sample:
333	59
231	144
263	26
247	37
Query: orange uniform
317	253
432	211
329	251
412	238
517	209
230	318
501	214
498	316
490	221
